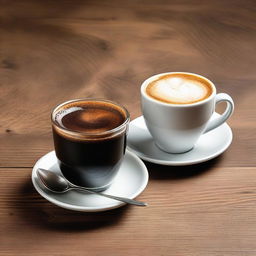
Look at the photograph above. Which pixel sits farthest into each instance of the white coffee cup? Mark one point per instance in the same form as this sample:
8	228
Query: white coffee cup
175	128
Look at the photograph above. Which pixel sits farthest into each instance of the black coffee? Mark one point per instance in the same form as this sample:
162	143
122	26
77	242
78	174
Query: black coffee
90	141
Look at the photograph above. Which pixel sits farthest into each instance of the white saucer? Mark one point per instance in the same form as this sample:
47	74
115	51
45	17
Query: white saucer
208	146
130	181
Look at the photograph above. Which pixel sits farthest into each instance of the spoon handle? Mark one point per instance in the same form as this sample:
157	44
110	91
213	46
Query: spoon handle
118	198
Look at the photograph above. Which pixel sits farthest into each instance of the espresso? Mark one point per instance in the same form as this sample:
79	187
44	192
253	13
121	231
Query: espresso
90	141
179	88
90	117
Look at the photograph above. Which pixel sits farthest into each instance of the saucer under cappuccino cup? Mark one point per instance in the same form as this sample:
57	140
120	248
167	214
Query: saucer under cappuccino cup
90	140
177	107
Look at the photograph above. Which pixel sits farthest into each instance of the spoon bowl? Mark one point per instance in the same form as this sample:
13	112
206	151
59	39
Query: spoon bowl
52	181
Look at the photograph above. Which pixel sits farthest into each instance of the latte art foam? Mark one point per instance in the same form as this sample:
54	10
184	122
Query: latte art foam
179	89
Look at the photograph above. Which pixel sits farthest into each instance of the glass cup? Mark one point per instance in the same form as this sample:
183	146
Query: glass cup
90	159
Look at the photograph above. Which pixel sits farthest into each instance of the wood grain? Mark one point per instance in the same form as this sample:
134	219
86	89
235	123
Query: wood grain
52	51
23	150
190	213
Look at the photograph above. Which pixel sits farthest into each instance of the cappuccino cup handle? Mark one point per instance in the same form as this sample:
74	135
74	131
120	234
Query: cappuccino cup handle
220	97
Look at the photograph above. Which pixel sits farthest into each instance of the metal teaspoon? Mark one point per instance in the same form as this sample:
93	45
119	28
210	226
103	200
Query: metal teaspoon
58	184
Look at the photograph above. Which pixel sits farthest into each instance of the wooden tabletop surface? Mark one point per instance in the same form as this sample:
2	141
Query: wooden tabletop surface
53	51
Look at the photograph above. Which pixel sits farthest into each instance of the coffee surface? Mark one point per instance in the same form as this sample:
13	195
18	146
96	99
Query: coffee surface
179	88
90	117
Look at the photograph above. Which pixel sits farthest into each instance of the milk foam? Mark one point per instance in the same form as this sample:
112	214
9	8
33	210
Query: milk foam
178	90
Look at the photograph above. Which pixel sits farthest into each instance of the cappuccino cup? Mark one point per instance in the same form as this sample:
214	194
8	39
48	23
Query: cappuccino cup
177	107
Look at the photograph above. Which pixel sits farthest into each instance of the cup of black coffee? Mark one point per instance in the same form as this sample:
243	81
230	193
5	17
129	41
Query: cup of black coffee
90	140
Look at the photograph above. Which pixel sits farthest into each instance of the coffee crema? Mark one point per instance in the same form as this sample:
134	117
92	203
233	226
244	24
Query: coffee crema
179	88
89	117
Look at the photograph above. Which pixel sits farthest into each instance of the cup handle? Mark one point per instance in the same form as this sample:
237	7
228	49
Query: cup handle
227	113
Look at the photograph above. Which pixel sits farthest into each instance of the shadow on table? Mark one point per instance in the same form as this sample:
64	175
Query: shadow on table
35	210
160	172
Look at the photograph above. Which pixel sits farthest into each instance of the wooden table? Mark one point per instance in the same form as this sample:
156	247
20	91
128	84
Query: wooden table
52	51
